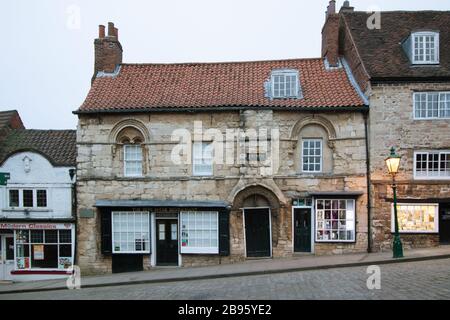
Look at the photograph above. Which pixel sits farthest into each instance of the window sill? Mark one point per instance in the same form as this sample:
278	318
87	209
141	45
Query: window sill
30	210
41	272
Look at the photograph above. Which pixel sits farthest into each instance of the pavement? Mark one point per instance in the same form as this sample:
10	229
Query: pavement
247	268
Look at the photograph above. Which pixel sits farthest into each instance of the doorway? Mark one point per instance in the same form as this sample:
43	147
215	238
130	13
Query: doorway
302	230
6	256
167	242
444	223
257	227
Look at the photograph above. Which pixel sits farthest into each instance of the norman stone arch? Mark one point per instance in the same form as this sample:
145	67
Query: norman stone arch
318	120
128	125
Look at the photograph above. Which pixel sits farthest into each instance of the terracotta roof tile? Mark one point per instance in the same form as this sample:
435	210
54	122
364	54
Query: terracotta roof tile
198	85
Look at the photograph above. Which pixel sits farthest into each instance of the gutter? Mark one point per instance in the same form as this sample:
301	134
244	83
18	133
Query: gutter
362	108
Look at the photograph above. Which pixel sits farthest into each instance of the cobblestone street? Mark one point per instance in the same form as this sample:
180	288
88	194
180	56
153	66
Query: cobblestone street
414	280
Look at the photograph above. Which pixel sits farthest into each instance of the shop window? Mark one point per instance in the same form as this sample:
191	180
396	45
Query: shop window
43	249
131	232
416	218
199	232
335	220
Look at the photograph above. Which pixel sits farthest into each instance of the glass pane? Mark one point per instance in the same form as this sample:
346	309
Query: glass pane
51	236
41	198
13	198
28	198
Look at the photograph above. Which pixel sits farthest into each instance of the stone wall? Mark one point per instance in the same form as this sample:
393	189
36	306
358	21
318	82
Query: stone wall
100	174
392	124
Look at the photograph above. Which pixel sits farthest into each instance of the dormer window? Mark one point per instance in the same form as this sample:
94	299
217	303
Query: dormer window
425	48
285	84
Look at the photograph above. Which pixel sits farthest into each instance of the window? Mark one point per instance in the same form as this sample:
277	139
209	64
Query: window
285	84
432	165
131	232
312	155
133	160
416	218
41	198
13	198
431	105
335	220
44	249
27	198
425	48
199	232
202	159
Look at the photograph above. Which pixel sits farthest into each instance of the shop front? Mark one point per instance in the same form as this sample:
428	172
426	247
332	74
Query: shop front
36	251
142	234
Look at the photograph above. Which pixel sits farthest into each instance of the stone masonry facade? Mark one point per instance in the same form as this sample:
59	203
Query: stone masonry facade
100	175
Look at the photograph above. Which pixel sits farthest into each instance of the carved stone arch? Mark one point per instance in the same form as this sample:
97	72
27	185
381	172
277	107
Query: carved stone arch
318	120
269	197
132	124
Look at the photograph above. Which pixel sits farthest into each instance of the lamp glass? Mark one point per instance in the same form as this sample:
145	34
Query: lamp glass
393	163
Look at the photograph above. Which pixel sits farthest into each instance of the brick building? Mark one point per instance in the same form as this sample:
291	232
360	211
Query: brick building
401	60
294	179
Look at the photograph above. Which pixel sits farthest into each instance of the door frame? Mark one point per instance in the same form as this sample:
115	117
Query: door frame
313	226
270	229
153	259
3	238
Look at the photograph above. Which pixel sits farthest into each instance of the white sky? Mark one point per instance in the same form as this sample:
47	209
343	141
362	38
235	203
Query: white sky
46	53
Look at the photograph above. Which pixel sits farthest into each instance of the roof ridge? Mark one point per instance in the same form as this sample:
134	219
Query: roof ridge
219	62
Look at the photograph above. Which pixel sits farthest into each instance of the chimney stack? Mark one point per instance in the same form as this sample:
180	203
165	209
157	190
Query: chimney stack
108	50
330	35
346	7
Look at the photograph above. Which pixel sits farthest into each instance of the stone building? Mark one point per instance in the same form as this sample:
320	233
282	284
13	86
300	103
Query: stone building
153	189
401	61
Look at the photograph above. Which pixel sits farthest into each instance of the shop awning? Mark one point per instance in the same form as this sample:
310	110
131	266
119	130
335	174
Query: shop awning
160	204
336	194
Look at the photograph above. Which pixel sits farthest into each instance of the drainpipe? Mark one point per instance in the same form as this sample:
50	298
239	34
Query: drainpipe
369	198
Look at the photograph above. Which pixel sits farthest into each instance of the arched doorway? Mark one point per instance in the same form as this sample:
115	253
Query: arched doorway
260	208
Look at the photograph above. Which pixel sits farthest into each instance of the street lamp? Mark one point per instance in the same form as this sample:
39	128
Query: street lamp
393	163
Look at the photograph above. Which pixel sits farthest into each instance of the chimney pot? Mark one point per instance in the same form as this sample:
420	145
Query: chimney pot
116	33
346	7
331	9
110	29
101	31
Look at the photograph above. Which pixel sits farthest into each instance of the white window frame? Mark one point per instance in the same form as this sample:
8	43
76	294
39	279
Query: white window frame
353	221
285	74
125	161
198	250
439	102
195	158
303	155
21	206
436	218
113	231
428	176
436	47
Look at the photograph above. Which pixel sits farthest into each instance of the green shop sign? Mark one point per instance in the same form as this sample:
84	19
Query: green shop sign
4	177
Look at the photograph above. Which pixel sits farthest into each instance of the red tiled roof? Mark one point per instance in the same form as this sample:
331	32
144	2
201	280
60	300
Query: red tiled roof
196	85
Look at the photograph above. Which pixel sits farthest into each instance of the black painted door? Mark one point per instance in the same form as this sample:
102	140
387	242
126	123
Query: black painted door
257	232
444	223
167	242
302	230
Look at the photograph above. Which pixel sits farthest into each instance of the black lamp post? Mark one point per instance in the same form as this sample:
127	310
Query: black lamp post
393	163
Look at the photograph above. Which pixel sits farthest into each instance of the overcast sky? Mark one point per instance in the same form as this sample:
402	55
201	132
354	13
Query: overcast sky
46	56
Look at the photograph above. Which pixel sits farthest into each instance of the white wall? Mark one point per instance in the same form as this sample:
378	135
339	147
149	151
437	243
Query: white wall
41	174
